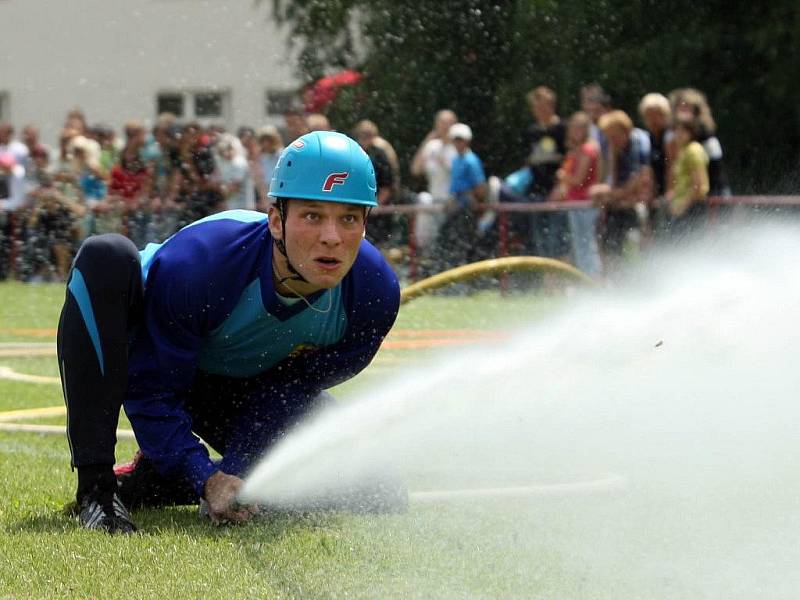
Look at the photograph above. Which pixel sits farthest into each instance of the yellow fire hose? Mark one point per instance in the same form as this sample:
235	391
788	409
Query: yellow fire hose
494	266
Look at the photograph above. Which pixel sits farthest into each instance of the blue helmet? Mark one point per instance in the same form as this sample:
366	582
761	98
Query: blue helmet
325	165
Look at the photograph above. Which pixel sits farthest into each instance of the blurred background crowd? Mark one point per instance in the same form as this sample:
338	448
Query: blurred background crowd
612	183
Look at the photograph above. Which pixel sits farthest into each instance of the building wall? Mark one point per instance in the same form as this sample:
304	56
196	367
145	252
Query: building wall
111	58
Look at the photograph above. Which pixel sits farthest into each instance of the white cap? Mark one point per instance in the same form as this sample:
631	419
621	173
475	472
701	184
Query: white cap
460	131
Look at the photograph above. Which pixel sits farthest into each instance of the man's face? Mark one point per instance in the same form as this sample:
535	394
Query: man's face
593	107
461	145
296	124
267	143
136	137
365	138
443	123
322	240
654	119
6	133
543	110
617	136
30	135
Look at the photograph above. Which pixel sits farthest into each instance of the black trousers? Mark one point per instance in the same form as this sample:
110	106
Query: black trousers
102	306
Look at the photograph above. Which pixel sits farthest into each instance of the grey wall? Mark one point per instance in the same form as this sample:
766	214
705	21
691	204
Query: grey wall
112	57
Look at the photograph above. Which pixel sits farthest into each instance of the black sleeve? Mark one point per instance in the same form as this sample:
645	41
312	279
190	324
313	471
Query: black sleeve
204	162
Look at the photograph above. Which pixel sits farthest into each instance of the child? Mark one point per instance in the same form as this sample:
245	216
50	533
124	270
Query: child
577	175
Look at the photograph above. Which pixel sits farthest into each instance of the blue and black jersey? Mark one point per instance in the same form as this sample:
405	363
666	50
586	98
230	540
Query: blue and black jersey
210	307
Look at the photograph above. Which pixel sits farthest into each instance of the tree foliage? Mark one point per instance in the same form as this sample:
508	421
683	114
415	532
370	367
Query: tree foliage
479	57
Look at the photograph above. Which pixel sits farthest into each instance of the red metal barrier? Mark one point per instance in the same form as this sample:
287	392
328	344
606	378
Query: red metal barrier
502	208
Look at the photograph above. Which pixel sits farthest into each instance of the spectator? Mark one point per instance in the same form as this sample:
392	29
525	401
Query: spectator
64	157
576	177
110	149
270	145
546	139
52	232
596	102
12	199
76	120
131	186
39	171
296	123
318	122
258	189
630	182
30	137
468	191
379	227
394	162
433	161
693	104
12	146
63	171
234	174
686	199
214	133
105	214
246	135
194	187
157	154
656	115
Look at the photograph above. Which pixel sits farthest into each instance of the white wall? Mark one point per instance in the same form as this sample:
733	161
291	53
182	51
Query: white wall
112	57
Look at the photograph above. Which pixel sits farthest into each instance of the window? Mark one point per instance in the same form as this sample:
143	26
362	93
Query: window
280	101
208	105
203	105
170	103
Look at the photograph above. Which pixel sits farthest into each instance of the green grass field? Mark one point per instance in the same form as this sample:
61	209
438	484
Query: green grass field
463	550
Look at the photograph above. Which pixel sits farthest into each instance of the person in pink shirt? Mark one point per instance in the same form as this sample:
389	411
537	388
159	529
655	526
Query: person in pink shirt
578	173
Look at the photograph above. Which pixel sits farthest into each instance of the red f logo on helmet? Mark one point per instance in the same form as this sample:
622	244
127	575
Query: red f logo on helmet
334	179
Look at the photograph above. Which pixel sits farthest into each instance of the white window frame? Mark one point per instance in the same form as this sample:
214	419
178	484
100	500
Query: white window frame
190	95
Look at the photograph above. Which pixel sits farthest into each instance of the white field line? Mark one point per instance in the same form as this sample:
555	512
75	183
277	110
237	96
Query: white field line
32	413
609	483
52	429
25	349
9	373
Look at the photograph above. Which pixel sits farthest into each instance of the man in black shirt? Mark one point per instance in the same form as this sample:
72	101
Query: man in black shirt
546	140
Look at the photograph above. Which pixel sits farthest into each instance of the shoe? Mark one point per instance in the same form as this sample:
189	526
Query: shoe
108	514
140	485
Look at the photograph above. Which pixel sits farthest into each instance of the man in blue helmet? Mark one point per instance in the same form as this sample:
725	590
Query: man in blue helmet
230	330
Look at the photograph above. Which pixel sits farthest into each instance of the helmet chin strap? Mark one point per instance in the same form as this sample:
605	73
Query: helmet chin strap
294	273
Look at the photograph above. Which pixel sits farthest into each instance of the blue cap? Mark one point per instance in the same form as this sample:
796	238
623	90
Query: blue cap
325	165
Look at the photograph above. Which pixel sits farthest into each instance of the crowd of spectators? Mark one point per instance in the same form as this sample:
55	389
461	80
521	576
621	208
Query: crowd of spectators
634	186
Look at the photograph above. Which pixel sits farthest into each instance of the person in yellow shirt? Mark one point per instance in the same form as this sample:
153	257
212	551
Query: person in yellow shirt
686	201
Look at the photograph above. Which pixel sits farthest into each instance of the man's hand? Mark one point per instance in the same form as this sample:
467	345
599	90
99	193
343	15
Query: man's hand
220	494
